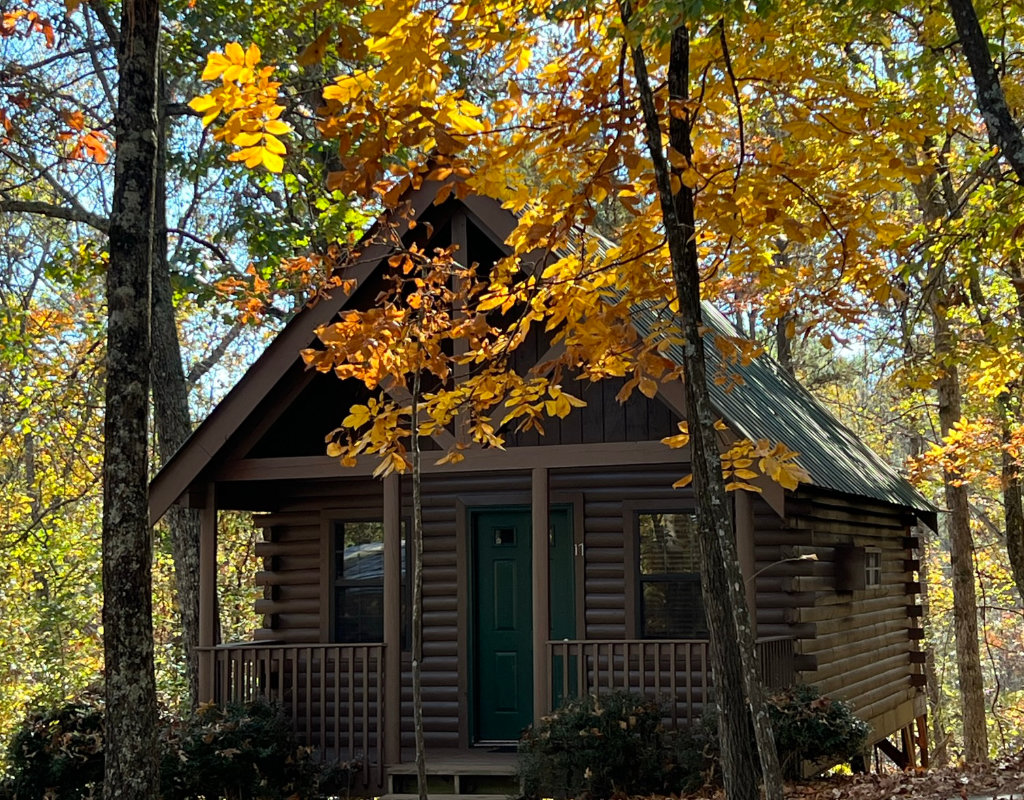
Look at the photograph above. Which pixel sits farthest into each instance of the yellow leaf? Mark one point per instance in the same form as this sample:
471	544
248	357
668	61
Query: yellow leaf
252	56
235	54
524	59
686	480
276	127
216	63
246	139
272	161
274	145
334	449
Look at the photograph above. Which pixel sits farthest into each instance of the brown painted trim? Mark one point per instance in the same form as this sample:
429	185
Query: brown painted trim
520	458
744	526
540	523
207	593
631	556
462	601
327	545
392	620
260	379
576	501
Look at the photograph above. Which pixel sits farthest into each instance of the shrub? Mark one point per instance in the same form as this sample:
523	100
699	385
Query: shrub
241	752
812	727
58	753
597	747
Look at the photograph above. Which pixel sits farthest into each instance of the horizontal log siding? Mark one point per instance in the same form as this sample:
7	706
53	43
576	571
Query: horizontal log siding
441	574
860	639
291	553
605	493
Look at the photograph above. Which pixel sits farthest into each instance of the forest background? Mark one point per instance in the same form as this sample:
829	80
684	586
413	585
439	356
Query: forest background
841	160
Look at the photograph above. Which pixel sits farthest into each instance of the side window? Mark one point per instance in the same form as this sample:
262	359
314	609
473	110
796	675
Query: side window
872	567
671	606
358	590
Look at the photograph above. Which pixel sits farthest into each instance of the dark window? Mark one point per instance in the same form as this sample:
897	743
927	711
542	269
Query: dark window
872	567
359	582
671	606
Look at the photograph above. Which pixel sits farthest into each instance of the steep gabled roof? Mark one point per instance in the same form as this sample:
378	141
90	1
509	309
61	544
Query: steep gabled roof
769	404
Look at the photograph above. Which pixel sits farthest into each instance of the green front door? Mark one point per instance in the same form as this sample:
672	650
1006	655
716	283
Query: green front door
502	633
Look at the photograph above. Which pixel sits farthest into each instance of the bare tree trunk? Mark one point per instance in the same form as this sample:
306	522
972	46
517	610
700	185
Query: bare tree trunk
130	747
417	594
173	421
961	551
1002	130
940	736
739	694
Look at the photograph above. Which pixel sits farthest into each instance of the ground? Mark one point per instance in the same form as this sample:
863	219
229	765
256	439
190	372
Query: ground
1002	779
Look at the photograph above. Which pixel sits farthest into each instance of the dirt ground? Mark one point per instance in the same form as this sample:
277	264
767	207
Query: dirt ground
1003	779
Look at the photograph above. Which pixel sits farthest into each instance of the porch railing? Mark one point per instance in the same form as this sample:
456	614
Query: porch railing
333	693
675	671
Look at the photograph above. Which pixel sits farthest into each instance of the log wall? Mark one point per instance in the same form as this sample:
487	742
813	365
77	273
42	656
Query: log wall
856	645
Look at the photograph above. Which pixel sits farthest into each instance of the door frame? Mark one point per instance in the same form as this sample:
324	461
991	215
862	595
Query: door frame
465	555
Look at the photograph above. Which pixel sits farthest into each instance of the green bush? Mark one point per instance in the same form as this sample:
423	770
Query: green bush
812	727
239	752
597	747
242	752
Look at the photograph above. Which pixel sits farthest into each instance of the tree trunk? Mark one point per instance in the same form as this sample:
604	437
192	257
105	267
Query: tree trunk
130	747
417	593
1002	130
961	550
731	635
939	755
173	421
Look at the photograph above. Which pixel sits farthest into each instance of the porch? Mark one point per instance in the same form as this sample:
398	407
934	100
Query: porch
335	694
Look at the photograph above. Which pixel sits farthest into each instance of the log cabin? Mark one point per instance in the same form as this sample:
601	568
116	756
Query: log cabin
561	565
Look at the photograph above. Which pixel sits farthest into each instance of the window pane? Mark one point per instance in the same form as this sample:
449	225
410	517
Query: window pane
359	613
673	609
362	557
668	544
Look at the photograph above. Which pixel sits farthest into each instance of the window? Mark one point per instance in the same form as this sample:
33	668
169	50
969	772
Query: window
359	581
872	567
671	606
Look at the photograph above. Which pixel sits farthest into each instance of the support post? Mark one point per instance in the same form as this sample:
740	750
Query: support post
207	594
744	515
541	594
392	621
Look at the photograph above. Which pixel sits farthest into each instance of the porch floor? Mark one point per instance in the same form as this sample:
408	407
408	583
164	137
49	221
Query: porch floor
474	774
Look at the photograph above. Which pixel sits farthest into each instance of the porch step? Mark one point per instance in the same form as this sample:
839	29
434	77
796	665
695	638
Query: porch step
462	776
442	796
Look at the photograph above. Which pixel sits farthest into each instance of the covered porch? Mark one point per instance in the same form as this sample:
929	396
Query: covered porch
344	704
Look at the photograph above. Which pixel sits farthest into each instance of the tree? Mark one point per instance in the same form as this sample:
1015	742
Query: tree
130	755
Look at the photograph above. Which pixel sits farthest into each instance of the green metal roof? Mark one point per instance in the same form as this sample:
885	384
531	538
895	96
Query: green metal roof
771	404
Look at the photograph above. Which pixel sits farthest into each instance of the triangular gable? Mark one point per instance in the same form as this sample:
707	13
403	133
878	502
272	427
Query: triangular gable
206	442
769	404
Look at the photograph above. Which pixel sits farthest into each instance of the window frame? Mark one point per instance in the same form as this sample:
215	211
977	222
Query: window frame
872	571
334	536
634	606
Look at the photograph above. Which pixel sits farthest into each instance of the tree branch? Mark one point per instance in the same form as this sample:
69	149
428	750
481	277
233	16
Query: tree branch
55	212
1002	130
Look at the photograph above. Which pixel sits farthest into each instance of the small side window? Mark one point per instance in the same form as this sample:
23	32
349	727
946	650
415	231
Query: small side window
872	567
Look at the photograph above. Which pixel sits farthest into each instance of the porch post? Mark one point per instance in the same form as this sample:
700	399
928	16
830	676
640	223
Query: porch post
744	520
541	594
392	732
207	594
